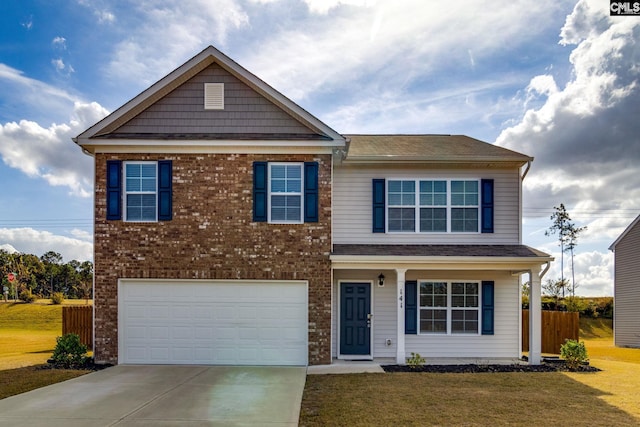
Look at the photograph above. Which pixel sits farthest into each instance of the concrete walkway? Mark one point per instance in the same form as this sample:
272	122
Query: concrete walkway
164	396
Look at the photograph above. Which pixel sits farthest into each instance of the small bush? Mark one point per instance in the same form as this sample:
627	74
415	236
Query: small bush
415	361
27	296
574	353
57	298
69	353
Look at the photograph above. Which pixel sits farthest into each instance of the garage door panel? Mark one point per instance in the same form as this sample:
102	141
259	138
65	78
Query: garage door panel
199	322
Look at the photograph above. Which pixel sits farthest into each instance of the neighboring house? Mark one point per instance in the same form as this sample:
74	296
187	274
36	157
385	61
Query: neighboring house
626	289
233	227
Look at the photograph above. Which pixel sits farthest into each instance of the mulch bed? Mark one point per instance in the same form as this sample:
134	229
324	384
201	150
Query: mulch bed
87	366
459	369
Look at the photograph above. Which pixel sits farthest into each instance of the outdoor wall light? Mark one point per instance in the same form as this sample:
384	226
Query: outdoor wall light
381	280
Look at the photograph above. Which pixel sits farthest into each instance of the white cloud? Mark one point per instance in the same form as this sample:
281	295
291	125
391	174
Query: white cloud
48	153
585	138
28	240
398	42
28	24
35	91
7	247
324	6
60	42
82	235
105	16
61	67
100	10
171	32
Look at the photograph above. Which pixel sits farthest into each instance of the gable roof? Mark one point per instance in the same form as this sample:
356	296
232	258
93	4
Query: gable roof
95	135
428	148
624	233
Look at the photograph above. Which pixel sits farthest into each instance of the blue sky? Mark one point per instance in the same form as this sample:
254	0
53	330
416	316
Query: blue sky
558	80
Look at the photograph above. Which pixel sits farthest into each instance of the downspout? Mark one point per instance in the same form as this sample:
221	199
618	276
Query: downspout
526	171
548	266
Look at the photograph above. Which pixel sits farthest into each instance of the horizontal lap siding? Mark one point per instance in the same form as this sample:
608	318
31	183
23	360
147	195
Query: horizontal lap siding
182	111
384	310
504	343
353	205
627	290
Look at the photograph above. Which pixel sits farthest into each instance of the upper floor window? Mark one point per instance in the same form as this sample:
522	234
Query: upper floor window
140	191
428	206
285	192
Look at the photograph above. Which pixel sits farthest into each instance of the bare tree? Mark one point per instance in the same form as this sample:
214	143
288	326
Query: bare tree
568	240
560	219
572	242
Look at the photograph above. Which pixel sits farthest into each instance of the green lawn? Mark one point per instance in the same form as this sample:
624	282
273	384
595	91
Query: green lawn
28	333
608	397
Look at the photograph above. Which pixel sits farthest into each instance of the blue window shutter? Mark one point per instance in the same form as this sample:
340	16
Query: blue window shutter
378	206
411	307
487	307
114	189
311	192
165	195
260	182
487	205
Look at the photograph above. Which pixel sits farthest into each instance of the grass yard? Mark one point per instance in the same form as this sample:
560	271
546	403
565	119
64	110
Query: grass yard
21	380
603	398
28	333
27	338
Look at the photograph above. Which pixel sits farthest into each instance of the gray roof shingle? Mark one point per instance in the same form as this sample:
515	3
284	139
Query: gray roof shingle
509	251
437	148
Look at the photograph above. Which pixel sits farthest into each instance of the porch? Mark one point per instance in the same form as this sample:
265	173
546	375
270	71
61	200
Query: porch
380	311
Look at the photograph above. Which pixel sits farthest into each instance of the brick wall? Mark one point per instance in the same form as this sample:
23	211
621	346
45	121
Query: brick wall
212	236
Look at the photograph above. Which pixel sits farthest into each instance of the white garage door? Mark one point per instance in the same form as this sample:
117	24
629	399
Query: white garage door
212	322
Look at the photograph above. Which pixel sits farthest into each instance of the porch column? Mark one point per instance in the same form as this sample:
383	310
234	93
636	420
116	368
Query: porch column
400	356
535	317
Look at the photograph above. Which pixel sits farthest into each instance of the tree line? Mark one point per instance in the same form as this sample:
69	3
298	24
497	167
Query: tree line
43	276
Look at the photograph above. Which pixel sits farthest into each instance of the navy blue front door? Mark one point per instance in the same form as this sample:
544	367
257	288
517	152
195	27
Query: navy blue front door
355	318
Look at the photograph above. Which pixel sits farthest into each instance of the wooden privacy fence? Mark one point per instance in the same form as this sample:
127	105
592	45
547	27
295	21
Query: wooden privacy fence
557	326
79	320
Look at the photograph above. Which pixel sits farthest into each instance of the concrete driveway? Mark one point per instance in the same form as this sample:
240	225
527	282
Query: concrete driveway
164	396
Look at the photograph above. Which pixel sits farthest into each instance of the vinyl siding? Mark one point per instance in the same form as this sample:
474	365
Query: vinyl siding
505	343
353	205
182	111
383	307
627	290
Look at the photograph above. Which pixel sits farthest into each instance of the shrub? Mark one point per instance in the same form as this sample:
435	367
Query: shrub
57	298
574	352
27	296
415	361
69	353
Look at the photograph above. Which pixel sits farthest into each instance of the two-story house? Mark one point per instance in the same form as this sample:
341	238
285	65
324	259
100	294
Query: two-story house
233	227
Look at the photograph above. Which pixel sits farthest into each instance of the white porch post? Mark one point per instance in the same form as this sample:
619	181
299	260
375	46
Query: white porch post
535	317
400	353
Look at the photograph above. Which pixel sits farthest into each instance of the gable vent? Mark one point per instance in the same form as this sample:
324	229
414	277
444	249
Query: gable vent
214	96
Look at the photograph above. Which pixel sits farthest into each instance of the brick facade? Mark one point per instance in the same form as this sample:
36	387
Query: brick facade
212	236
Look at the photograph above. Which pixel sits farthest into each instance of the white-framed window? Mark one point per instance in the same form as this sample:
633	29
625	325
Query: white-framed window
433	205
449	307
402	205
465	206
140	191
285	192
